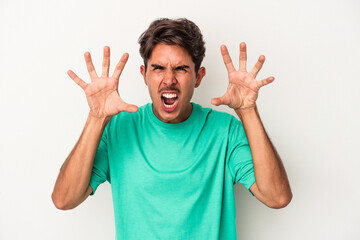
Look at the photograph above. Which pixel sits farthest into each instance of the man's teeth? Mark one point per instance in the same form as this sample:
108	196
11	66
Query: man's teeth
169	106
169	95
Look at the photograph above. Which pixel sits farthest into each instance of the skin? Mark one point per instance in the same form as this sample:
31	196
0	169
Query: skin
102	92
171	70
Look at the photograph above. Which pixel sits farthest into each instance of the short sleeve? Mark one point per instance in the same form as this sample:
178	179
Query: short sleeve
239	155
100	171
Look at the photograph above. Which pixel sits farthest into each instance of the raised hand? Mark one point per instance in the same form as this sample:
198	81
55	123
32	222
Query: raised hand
102	93
243	88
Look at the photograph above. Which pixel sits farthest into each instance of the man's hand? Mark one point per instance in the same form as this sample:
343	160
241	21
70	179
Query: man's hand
102	93
243	88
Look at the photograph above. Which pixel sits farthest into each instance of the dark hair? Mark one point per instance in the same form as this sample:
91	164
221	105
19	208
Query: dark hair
181	32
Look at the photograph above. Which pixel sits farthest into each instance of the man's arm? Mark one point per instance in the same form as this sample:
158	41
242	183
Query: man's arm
272	186
72	185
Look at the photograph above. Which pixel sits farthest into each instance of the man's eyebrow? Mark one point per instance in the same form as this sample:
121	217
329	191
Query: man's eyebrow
157	66
182	67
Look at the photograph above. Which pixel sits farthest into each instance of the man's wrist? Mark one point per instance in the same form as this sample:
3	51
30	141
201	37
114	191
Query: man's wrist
243	112
103	121
246	109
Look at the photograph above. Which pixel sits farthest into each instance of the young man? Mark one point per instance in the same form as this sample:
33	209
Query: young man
171	163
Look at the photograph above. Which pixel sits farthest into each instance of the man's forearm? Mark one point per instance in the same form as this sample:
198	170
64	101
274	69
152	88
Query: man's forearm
271	179
72	184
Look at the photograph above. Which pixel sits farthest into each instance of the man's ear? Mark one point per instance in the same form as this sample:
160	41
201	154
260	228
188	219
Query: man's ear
143	73
200	74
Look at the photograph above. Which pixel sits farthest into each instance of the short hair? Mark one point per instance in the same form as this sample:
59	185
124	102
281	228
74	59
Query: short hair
181	32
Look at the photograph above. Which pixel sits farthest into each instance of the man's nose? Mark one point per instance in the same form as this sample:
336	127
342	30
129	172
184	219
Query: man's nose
169	77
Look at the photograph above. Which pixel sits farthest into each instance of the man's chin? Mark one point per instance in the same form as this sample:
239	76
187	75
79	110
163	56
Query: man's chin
171	114
169	117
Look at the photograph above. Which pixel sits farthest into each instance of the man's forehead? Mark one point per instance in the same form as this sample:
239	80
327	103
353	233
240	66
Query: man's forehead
170	54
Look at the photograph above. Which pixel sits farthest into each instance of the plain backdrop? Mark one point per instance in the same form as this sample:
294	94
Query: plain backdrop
311	111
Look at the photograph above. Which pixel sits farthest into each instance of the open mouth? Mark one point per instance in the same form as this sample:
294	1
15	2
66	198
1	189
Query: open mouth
170	101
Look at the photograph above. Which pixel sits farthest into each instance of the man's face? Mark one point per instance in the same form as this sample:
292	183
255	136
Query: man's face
171	79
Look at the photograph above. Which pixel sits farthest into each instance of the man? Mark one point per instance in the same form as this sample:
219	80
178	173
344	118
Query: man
171	163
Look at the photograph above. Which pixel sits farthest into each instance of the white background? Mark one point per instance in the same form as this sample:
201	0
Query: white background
311	111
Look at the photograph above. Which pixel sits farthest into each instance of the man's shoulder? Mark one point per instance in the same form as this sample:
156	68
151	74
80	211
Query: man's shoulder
214	114
140	112
127	117
215	117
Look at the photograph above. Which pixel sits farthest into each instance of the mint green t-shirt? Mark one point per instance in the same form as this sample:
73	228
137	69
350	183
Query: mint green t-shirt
174	180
